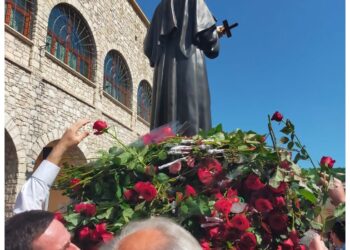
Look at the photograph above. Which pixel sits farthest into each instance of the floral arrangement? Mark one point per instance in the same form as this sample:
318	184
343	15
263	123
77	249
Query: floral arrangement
230	190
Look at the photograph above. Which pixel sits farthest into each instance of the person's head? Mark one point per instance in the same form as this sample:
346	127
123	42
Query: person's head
36	230
338	233
154	234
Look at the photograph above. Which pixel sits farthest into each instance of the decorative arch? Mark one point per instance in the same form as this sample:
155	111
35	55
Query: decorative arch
15	163
69	39
117	80
19	15
144	100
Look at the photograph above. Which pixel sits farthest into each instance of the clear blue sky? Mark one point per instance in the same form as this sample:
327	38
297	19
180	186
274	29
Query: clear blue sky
287	56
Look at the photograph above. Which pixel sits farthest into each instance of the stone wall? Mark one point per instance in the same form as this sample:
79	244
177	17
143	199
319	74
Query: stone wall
43	96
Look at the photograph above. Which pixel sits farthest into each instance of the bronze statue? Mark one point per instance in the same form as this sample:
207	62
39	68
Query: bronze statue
181	33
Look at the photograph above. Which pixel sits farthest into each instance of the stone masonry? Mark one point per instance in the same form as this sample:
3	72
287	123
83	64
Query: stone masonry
43	96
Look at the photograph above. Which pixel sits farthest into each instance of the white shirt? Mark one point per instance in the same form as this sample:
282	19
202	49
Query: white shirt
35	192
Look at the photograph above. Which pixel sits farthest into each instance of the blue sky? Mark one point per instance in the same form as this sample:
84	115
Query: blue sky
286	56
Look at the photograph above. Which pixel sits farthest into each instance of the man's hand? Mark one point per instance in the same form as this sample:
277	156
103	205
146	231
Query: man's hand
70	138
317	243
335	189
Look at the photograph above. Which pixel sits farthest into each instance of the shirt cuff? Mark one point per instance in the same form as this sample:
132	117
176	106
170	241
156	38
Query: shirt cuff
47	172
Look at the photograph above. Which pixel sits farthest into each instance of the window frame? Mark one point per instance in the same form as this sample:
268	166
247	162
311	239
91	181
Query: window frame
26	13
141	109
118	91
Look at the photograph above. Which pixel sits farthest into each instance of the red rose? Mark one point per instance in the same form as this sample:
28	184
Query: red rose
293	235
84	233
288	244
240	222
190	191
279	201
130	195
223	206
211	164
78	208
253	182
300	247
247	241
147	139
100	127
285	165
90	209
204	244
263	205
231	193
277	116
101	228
107	236
85	208
58	216
74	183
278	221
205	176
213	232
281	188
208	170
146	190
175	167
327	161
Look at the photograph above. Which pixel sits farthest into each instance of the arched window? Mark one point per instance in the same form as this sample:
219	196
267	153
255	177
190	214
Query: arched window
144	100
69	39
117	78
18	14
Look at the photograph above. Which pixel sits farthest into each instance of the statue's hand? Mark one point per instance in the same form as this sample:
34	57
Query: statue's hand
221	30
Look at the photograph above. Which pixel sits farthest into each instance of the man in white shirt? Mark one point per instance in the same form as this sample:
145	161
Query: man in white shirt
34	194
32	227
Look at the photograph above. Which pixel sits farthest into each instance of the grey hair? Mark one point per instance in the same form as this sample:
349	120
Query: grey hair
177	237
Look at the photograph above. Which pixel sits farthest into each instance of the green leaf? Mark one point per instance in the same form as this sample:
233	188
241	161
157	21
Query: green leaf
123	158
284	140
140	206
73	218
127	214
161	177
276	179
296	158
290	145
286	130
308	195
340	211
162	155
316	225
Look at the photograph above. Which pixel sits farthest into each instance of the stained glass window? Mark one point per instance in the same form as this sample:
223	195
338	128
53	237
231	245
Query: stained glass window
117	78
18	14
69	39
144	100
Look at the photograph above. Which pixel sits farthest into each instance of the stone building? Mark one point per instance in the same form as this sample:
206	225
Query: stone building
66	60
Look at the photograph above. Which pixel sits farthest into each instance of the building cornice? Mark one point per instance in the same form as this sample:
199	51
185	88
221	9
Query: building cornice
139	12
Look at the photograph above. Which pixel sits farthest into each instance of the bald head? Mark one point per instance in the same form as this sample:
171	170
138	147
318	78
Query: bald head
144	239
155	233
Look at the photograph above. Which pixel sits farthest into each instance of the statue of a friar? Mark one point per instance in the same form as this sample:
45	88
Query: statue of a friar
181	33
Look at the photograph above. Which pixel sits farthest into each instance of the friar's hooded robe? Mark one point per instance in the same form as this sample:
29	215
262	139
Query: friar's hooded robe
180	34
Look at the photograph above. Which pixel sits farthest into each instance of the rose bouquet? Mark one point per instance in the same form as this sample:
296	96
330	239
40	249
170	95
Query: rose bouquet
230	190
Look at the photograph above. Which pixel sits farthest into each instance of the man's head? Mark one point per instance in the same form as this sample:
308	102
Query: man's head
154	234
338	233
36	230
